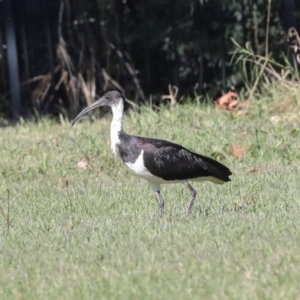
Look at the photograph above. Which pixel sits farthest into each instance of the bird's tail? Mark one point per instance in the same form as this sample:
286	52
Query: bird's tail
217	169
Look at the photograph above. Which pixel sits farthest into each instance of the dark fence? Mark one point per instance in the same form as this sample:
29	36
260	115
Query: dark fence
56	56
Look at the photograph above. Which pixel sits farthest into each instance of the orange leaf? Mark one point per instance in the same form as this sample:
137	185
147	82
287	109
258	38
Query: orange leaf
245	199
237	151
248	200
255	170
233	104
227	101
83	165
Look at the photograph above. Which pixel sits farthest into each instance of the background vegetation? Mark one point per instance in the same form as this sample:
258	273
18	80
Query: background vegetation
71	51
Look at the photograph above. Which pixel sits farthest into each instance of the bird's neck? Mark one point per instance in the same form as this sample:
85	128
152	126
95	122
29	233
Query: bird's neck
116	126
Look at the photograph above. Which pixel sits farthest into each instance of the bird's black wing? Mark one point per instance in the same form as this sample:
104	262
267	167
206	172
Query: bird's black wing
173	162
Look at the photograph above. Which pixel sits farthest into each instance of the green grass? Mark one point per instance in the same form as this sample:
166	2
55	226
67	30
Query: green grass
231	247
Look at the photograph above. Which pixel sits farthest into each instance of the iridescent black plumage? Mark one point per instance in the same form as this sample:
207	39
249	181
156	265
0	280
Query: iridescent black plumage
170	161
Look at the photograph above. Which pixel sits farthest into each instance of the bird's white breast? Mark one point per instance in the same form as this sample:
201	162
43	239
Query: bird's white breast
138	166
139	169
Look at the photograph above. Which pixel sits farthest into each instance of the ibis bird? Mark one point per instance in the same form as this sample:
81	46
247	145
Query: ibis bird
157	161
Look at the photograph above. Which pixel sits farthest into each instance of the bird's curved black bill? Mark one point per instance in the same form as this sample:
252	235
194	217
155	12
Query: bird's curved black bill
96	104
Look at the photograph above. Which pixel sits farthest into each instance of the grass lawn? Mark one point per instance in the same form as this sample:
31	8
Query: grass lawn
100	236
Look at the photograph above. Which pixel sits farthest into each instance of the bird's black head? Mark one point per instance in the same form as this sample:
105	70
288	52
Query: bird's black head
111	99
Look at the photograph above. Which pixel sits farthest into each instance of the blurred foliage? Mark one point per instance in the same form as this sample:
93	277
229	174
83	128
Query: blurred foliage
140	47
2	105
188	43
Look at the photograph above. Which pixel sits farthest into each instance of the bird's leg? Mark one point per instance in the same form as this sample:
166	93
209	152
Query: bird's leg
160	200
193	197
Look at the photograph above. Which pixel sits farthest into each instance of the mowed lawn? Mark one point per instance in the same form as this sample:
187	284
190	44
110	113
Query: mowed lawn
95	233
